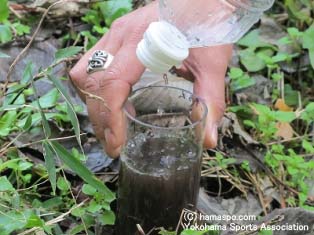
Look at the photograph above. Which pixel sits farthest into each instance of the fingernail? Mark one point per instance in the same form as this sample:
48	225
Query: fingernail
116	152
107	133
213	134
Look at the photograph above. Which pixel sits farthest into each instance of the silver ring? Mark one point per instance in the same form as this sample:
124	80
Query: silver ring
100	60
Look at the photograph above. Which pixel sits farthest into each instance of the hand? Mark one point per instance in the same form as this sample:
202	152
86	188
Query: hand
206	66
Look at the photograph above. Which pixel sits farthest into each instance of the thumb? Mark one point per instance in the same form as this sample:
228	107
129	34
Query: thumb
209	84
215	104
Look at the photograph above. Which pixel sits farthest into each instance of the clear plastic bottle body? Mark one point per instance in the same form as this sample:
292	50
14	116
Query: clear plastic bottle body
212	22
186	24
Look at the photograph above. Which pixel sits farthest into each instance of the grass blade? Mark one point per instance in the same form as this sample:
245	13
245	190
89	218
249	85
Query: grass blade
46	127
67	52
70	108
77	166
50	165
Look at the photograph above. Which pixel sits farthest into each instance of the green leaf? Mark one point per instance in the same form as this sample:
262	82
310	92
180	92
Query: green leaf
21	29
309	148
46	127
48	100
251	61
308	43
243	82
280	57
105	205
4	10
265	232
7	120
94	207
51	203
92	40
28	122
291	96
249	123
294	32
88	190
9	164
311	54
5	34
34	221
67	52
114	9
13	220
3	55
294	10
5	184
50	165
252	40
284	116
27	73
308	36
81	170
24	165
75	122
70	108
193	232
77	229
78	212
308	113
262	109
63	184
107	218
235	73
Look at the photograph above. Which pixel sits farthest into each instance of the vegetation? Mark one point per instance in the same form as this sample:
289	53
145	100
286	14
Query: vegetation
67	198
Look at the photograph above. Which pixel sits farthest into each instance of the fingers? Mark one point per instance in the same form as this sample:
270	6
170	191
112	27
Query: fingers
113	86
111	42
109	125
126	69
209	83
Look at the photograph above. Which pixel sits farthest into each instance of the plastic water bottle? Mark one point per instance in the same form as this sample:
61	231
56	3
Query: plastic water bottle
186	24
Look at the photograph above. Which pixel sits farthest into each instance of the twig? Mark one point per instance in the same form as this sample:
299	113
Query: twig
92	96
140	229
53	221
281	188
289	140
40	141
21	54
259	192
43	72
35	185
10	143
268	171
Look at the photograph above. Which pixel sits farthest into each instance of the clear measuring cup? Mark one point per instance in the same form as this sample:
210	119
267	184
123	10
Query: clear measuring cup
161	159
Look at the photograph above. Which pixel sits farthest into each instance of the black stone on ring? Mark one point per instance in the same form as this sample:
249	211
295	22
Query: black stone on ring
98	61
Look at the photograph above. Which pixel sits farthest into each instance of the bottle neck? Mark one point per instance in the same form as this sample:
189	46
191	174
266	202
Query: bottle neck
162	47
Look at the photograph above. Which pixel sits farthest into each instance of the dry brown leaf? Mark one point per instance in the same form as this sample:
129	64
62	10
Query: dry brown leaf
284	130
282	106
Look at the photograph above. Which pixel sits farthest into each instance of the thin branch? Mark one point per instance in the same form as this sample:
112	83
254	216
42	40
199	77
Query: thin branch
55	220
22	53
40	141
6	147
92	96
289	140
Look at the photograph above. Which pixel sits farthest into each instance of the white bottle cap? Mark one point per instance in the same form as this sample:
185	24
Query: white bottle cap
162	47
